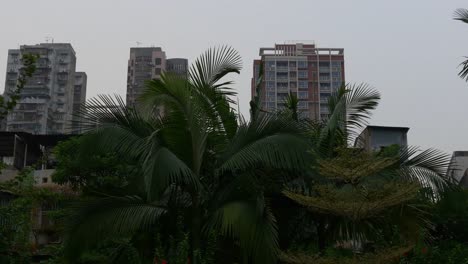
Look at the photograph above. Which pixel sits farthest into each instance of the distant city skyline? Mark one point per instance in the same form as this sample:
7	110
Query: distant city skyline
408	50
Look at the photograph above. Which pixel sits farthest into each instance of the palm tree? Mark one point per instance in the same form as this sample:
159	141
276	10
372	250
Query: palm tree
197	157
461	14
356	196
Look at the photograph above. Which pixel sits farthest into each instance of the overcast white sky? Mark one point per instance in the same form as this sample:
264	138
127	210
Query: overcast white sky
408	50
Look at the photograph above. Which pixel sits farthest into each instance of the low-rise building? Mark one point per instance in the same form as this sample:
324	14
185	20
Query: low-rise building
458	168
374	138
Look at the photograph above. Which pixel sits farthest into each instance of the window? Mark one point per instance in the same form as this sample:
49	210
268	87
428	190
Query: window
336	63
303	84
282	63
157	61
271	105
303	74
303	95
324	64
270	85
45	180
270	74
336	84
324	98
336	74
303	105
302	64
157	71
270	64
271	94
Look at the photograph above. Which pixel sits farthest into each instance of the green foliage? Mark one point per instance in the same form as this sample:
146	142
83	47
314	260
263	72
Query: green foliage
449	252
90	171
450	216
364	197
16	228
343	256
196	159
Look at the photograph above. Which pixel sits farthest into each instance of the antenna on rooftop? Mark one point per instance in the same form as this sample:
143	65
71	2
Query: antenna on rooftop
49	38
138	43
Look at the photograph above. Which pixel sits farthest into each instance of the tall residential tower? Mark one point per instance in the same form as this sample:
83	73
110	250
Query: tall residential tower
309	72
144	64
47	100
148	63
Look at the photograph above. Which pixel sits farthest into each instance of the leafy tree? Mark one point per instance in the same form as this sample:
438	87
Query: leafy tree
16	221
88	171
358	196
196	158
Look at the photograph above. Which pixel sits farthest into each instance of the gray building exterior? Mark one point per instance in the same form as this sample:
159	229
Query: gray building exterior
144	64
178	66
374	138
47	100
79	98
458	168
148	63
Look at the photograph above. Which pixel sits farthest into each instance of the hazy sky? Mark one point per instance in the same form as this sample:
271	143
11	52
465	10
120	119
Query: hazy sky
407	49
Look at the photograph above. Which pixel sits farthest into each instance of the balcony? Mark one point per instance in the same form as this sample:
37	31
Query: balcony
324	78
62	79
282	68
324	100
38	91
282	89
324	69
325	89
282	79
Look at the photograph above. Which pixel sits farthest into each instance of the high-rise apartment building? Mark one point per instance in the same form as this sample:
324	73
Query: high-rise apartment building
148	63
47	100
79	98
178	66
309	72
144	64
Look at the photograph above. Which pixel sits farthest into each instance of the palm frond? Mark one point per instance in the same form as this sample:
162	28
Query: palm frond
461	14
162	168
107	218
360	101
253	225
270	140
427	167
350	108
213	65
464	71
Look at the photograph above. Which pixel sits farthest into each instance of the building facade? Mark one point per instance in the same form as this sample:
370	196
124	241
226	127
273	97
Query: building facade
47	100
374	138
79	98
458	168
144	64
178	66
147	64
309	72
